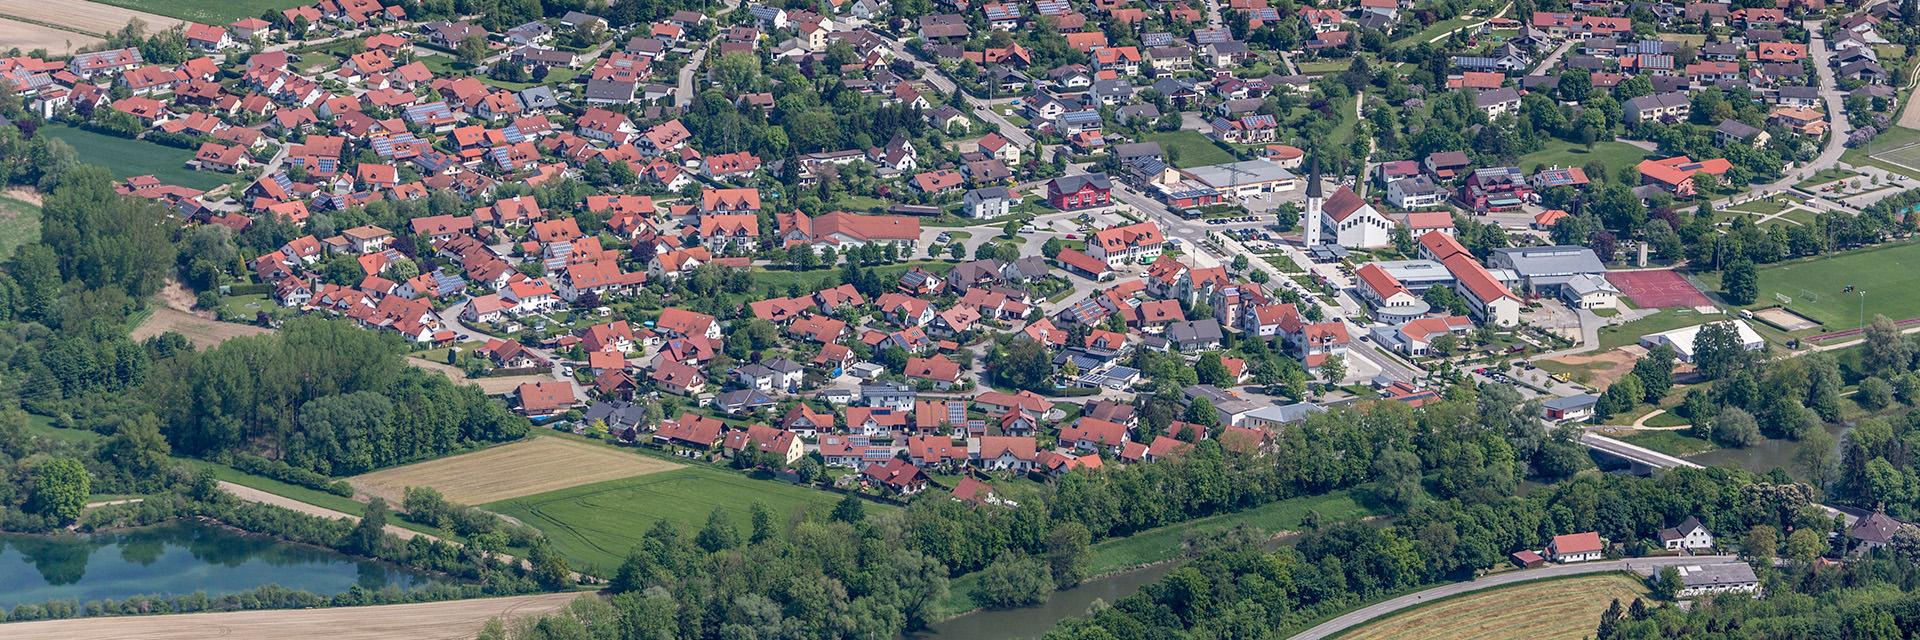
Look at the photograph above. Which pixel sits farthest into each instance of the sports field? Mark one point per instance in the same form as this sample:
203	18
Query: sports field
127	158
1883	278
1897	149
524	468
214	12
1567	608
1657	289
594	526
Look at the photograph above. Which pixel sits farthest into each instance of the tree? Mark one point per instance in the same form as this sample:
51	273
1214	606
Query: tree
763	528
1623	395
59	489
1815	457
472	50
957	251
1655	372
1735	428
1741	283
1023	364
549	569
1069	547
1013	580
1333	369
369	534
1760	543
138	448
1201	411
1053	247
851	509
1805	545
719	533
1011	229
1875	393
1886	351
1666	583
1240	262
1397	478
1211	370
1717	350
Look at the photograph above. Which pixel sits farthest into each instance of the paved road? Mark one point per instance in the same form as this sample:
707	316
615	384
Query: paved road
982	109
1835	100
1642	566
683	92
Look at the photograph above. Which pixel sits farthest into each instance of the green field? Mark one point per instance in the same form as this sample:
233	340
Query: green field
1887	275
127	158
19	224
1165	543
1616	336
213	12
1615	155
1188	148
595	525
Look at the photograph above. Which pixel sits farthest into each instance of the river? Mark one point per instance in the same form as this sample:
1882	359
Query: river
174	559
1032	622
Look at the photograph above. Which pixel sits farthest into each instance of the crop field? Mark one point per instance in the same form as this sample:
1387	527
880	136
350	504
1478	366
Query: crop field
127	158
92	17
450	619
595	525
531	466
214	12
28	37
1560	609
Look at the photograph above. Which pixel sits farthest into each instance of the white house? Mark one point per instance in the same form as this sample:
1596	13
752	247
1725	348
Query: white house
1689	535
1682	340
1349	221
1712	579
1576	547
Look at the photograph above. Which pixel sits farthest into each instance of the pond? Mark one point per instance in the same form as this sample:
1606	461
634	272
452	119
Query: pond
175	559
1766	455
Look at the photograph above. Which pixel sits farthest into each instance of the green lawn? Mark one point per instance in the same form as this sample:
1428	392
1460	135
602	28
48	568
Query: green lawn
127	158
1615	155
1189	148
1323	67
42	426
1887	275
19	224
247	306
595	525
778	281
1825	176
554	79
1613	337
213	12
1432	31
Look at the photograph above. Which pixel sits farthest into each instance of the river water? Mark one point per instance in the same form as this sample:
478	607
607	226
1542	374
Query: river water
175	559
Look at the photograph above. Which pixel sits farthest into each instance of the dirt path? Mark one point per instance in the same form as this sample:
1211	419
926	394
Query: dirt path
251	494
23	194
456	619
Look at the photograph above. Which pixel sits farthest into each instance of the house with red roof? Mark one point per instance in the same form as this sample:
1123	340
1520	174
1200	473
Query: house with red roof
1576	547
896	476
544	399
1677	174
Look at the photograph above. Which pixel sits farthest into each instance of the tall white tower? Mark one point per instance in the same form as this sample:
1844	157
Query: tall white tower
1310	218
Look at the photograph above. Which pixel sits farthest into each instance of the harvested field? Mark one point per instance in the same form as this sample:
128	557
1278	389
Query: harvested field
203	332
454	619
83	17
1518	612
29	36
535	465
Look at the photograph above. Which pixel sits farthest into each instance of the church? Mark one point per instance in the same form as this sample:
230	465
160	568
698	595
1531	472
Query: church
1345	219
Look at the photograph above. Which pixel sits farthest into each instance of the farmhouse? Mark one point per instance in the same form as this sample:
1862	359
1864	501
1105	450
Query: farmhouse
1576	547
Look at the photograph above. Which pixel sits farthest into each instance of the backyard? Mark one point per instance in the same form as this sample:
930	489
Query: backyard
127	158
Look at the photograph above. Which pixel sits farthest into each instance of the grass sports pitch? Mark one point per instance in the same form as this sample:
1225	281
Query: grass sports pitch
1817	287
1560	609
595	525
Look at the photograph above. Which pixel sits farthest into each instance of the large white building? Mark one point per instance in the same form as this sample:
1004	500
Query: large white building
1682	339
1347	220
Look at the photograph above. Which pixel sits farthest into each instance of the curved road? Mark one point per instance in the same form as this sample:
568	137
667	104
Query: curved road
1357	617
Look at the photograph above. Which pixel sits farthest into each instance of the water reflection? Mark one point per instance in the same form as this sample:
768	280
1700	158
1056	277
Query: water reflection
174	559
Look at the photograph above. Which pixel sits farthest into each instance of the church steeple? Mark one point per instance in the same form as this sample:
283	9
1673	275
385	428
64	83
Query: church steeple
1310	217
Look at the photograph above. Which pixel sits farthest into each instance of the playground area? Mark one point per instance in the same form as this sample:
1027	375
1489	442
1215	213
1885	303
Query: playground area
1658	289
